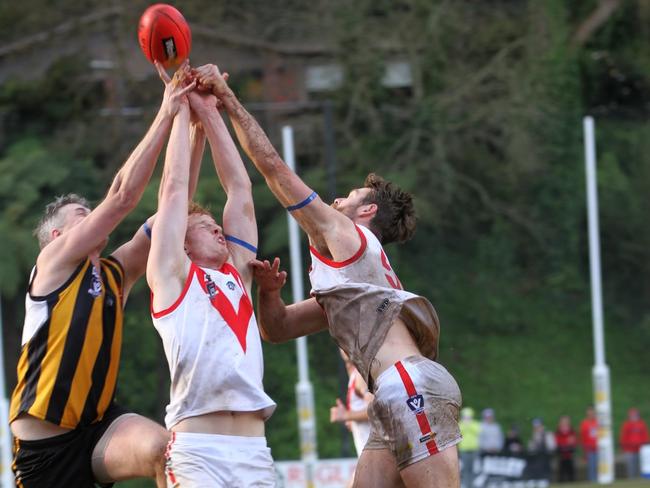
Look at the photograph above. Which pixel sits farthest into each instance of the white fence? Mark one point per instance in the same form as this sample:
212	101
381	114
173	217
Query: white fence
328	473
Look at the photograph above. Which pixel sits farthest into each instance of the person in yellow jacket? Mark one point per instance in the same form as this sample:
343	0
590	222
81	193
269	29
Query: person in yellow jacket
468	447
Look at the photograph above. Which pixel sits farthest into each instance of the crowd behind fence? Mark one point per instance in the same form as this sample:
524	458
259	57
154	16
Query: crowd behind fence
561	454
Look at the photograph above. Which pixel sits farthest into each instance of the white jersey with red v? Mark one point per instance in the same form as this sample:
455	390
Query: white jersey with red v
213	347
368	265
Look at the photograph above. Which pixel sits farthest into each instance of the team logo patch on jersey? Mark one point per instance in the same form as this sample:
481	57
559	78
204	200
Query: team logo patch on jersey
415	403
96	284
230	285
211	287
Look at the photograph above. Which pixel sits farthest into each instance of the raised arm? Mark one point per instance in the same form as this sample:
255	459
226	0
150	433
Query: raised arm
278	322
324	225
239	222
57	260
168	265
133	254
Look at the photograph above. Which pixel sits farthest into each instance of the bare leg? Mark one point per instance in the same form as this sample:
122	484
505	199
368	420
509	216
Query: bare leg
377	469
437	471
132	447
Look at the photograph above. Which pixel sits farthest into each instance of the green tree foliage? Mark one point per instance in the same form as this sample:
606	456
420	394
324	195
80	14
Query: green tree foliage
30	173
490	133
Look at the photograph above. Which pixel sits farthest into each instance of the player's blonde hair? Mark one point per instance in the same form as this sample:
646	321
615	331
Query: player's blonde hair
197	209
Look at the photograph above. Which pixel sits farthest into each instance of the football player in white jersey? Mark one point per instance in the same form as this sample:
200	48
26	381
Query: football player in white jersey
354	412
197	271
390	335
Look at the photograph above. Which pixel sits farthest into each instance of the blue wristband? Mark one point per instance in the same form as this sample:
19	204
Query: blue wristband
147	229
245	244
305	202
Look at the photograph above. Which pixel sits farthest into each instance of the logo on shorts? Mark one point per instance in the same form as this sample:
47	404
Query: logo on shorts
427	437
416	403
230	285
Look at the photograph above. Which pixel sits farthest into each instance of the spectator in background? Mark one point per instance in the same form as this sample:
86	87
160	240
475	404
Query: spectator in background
470	429
634	433
490	439
513	445
565	441
354	412
589	443
540	448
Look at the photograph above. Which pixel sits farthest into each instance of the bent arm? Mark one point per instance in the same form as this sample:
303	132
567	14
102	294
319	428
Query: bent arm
280	323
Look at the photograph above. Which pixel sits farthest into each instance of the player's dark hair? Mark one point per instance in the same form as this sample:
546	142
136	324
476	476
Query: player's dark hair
395	219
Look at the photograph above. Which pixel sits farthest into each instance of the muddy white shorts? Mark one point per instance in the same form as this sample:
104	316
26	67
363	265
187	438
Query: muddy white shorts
218	461
415	410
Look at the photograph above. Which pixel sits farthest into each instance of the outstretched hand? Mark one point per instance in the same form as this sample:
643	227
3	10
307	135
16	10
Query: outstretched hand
268	276
176	88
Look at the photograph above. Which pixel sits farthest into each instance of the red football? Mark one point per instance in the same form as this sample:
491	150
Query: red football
164	35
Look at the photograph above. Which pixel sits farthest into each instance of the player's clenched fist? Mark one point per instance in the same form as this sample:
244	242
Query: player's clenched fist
209	75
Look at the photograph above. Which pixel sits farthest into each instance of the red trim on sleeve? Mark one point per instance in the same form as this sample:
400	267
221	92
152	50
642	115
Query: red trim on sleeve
174	306
341	264
423	422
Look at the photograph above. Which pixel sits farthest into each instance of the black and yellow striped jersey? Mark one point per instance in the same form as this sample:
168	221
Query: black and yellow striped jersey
67	370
